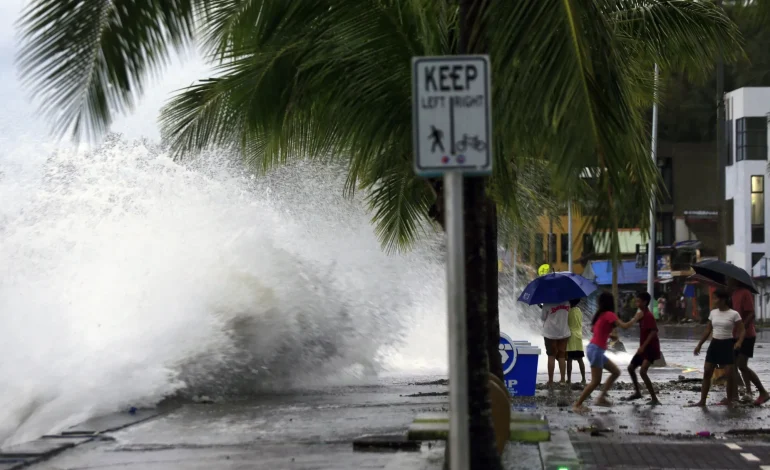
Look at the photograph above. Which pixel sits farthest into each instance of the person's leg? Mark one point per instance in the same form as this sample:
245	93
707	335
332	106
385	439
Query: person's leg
549	351
614	374
730	388
632	372
741	374
751	377
647	382
708	371
562	357
596	379
582	369
551	366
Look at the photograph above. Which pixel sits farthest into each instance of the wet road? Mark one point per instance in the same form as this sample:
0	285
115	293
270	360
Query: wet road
315	429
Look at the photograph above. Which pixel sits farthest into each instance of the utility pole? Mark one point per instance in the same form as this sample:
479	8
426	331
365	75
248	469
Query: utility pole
721	159
651	259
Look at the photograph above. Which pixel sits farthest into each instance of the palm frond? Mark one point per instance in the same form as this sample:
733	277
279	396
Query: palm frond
88	60
559	62
399	201
681	35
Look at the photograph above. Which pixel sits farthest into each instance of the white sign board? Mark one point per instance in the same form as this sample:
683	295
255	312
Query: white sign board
451	117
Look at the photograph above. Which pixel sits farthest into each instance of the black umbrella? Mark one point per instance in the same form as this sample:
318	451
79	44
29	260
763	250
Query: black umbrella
719	271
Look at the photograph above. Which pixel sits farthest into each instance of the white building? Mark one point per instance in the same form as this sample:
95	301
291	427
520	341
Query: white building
747	113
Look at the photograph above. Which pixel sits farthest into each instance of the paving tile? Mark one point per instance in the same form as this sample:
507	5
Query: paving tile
713	456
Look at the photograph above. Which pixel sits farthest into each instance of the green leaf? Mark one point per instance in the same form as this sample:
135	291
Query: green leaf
87	60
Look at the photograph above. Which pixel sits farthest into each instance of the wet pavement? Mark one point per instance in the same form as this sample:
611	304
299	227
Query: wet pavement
315	429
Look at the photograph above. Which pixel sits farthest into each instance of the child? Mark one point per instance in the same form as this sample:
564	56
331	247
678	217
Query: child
721	350
575	343
649	348
602	324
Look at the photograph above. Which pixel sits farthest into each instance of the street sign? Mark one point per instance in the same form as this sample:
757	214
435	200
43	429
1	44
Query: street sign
451	118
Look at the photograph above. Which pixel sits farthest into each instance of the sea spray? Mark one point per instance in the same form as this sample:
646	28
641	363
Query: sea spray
126	277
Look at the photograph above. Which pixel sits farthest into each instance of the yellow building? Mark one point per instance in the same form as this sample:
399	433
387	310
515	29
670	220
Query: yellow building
538	251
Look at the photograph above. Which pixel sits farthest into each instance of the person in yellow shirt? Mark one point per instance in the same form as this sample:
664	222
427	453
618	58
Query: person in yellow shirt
575	342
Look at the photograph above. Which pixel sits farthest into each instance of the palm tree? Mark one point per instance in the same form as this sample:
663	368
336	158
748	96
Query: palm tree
330	80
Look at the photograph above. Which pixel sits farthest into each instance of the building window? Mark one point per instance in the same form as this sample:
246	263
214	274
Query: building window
757	209
756	258
565	248
751	138
539	254
729	141
730	222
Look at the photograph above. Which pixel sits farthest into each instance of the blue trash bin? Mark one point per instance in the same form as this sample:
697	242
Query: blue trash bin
519	366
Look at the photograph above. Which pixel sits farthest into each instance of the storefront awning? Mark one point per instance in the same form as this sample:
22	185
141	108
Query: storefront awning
628	273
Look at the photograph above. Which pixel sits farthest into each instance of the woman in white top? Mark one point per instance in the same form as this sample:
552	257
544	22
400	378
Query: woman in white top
721	350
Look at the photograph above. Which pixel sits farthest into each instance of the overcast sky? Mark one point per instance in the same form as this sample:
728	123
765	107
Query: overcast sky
17	115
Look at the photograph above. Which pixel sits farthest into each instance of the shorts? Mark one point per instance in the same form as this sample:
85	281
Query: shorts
650	355
556	347
596	356
575	354
721	352
747	347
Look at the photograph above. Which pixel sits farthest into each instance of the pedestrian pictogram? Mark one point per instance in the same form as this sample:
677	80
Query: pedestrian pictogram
436	136
452	118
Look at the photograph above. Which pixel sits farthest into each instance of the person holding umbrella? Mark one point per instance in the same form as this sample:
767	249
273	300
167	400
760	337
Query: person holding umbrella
556	334
721	351
554	291
741	287
743	303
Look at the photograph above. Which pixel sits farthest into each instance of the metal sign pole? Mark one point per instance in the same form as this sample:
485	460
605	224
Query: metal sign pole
651	259
459	437
452	132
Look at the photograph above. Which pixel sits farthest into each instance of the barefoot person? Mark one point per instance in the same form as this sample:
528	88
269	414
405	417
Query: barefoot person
603	323
556	333
575	342
649	348
721	350
743	303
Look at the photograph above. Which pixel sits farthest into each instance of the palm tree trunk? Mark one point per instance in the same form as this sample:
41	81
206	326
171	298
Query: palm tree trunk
477	255
483	453
493	310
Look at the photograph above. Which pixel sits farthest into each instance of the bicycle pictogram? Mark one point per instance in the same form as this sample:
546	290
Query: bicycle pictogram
473	142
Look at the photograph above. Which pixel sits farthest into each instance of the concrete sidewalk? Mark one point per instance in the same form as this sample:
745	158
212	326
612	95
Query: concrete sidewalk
316	430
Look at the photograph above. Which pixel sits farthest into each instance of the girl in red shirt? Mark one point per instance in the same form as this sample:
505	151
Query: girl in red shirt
603	323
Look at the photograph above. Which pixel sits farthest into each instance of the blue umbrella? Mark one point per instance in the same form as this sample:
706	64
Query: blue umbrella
556	288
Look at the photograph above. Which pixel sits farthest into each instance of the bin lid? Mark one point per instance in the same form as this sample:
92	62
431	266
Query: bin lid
528	350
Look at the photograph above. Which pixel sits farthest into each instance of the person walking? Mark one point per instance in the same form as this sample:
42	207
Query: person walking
649	348
662	307
743	303
575	342
602	324
721	351
556	333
